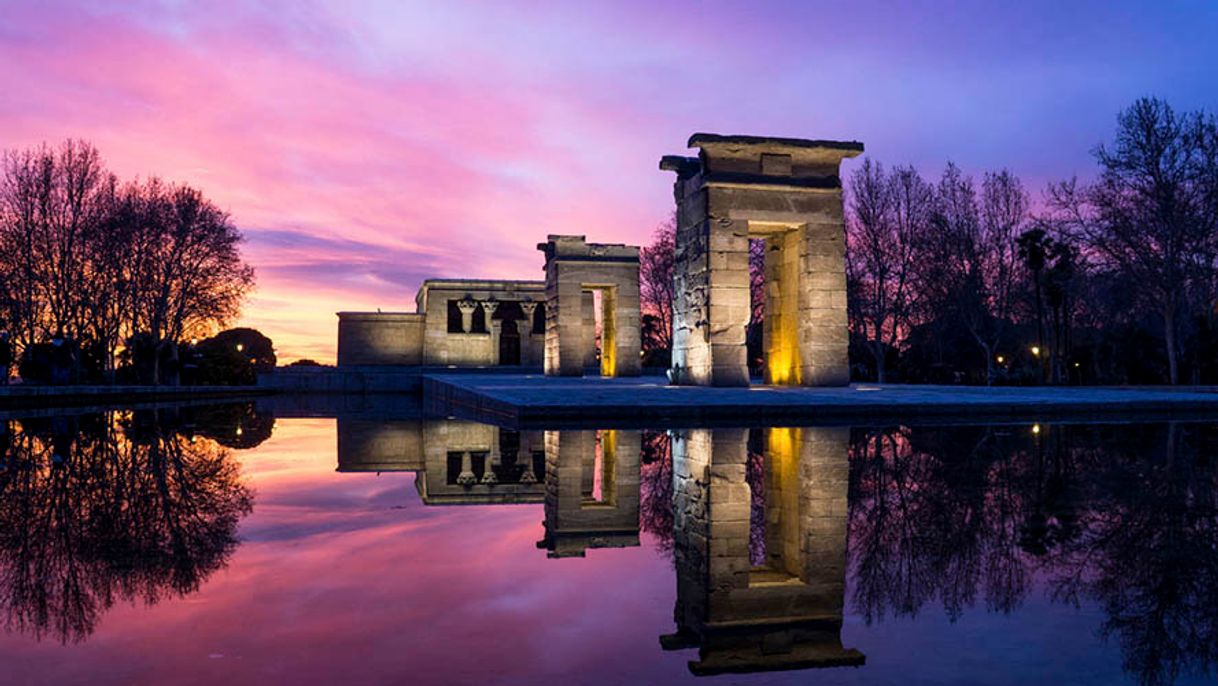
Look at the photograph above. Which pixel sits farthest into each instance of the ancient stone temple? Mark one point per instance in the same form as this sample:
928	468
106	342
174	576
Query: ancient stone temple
456	322
786	192
760	588
590	285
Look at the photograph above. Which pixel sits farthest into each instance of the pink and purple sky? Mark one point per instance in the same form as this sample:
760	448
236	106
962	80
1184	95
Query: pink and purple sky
363	147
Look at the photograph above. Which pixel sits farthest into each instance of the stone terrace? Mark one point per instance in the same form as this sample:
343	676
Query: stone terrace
531	400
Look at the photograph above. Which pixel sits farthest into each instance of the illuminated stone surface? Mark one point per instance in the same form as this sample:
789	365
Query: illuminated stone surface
787	192
574	270
489	312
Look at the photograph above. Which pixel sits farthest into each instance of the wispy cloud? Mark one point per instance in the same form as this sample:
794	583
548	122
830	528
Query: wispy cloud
365	148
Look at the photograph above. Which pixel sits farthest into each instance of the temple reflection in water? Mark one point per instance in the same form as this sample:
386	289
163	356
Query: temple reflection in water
772	532
761	588
758	587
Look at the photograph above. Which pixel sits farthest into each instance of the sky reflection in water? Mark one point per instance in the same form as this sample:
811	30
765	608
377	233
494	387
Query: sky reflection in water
176	549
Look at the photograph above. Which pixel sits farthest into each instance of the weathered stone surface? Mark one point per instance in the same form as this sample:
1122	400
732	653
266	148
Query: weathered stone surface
575	269
380	338
423	337
786	191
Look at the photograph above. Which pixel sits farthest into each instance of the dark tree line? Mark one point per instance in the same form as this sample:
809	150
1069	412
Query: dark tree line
1111	281
959	280
1119	517
91	266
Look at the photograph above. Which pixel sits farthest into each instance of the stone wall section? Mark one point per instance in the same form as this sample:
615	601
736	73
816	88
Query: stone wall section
788	192
573	269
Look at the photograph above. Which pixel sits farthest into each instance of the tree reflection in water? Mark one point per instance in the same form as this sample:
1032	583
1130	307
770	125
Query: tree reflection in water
122	506
1122	516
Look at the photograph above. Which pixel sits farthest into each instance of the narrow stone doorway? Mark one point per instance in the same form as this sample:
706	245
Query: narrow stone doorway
509	343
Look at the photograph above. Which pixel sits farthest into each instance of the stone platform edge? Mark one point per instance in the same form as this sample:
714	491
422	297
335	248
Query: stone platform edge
448	397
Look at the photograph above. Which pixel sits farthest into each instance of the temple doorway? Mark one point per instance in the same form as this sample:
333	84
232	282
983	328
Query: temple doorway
509	343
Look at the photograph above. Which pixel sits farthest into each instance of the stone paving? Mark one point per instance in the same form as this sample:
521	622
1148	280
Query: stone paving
532	399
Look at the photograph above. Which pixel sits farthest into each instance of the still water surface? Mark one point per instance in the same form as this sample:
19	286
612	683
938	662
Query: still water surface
223	545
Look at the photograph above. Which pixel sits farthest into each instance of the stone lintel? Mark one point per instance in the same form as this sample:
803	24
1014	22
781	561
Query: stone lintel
774	143
577	248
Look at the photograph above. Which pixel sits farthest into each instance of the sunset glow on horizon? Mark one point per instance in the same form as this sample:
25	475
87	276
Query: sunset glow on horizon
364	149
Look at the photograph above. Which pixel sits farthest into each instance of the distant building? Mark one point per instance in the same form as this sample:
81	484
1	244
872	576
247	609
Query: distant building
457	322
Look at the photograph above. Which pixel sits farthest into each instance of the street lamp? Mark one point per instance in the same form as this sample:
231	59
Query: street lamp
1036	350
1001	359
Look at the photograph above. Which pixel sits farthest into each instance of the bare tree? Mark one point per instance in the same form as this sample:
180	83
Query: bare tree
887	214
656	285
1004	213
189	274
1152	214
84	258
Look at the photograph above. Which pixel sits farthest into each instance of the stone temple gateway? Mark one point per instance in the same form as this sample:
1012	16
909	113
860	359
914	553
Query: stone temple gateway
784	191
585	317
575	269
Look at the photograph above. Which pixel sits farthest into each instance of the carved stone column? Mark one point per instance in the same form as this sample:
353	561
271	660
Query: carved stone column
466	307
488	310
528	307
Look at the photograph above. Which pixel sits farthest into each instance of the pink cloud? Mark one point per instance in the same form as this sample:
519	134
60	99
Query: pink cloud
450	138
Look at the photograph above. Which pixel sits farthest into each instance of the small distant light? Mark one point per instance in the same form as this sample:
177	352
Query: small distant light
1036	350
240	347
1036	428
1001	359
194	341
1076	365
239	431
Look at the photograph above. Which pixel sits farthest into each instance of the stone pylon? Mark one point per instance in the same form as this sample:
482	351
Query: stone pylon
788	193
575	269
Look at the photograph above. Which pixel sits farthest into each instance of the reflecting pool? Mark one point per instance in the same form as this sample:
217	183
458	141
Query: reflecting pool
240	545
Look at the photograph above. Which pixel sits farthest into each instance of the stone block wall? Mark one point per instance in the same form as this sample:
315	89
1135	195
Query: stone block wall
467	348
574	268
380	338
788	192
